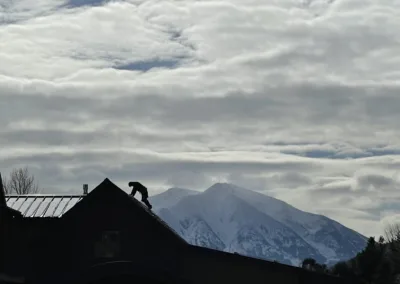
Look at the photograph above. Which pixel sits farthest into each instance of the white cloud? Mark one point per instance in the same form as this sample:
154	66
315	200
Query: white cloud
295	98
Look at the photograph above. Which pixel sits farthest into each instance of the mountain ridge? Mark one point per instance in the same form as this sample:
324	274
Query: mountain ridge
234	219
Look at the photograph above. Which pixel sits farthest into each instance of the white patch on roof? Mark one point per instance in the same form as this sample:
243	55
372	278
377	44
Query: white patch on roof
39	205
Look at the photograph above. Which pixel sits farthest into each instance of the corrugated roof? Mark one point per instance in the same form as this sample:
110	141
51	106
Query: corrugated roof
40	205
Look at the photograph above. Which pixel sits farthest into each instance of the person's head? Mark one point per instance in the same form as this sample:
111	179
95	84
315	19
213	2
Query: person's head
131	183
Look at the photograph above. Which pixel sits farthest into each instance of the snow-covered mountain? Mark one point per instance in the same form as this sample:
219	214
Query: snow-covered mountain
229	218
170	197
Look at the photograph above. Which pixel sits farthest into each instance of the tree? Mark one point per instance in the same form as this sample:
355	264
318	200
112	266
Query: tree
4	184
313	265
344	269
377	263
308	263
392	233
20	182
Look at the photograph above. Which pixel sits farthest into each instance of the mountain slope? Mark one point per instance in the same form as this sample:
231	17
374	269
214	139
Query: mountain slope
333	240
230	218
170	197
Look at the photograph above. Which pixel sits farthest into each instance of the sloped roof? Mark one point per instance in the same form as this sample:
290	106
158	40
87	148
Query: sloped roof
40	205
2	194
4	278
157	218
107	190
51	205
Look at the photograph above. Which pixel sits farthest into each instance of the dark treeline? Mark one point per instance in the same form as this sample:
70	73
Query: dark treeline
377	263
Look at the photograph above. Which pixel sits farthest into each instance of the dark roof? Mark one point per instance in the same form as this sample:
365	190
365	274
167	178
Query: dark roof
107	190
157	218
2	193
4	278
263	263
51	205
42	205
215	253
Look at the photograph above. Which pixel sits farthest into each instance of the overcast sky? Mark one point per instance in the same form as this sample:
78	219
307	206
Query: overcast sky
298	99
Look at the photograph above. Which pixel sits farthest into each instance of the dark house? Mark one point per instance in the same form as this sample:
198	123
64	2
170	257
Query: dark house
107	236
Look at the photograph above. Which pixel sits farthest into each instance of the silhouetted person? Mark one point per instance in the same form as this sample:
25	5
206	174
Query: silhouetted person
137	186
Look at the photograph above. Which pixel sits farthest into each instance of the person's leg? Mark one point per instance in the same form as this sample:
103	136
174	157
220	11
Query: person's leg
146	201
144	193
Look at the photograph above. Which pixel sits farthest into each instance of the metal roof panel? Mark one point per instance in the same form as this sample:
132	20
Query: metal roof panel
52	206
61	206
42	205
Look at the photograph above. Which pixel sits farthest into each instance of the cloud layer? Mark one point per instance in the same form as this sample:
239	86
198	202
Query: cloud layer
297	99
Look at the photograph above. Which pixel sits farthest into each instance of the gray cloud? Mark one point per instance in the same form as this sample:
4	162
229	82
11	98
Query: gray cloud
295	99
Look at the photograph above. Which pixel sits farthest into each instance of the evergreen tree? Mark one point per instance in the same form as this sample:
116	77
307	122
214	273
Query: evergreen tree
377	263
